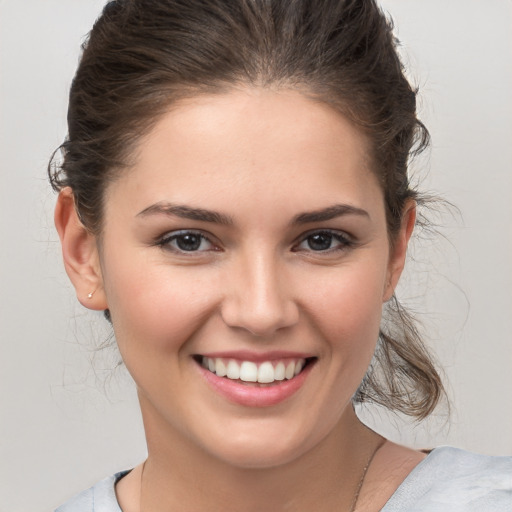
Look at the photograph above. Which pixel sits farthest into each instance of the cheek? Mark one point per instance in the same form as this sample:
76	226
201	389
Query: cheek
156	307
347	307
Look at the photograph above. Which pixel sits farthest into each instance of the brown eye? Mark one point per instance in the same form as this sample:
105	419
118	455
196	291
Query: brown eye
186	241
319	241
189	242
324	241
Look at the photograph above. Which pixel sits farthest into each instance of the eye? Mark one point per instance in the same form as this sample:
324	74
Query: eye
186	241
324	241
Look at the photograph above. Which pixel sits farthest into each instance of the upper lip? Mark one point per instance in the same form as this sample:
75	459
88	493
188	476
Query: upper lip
257	357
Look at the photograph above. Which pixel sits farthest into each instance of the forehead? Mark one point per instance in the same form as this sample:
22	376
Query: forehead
275	146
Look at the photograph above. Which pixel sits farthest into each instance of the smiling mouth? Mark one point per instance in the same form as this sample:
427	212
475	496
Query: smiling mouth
260	374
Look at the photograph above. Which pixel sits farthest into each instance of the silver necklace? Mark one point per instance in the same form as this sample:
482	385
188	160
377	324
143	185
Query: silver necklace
365	470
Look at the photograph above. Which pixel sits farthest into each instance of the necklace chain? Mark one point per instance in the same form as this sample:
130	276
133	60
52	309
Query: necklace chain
363	476
356	494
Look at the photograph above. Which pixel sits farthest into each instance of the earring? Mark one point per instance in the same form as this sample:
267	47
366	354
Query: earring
89	296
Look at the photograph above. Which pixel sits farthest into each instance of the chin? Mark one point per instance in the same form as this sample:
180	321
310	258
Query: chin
258	457
261	449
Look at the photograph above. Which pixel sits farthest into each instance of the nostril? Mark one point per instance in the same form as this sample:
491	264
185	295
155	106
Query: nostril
260	320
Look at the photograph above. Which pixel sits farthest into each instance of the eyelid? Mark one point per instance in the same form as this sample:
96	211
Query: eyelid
346	240
342	236
164	240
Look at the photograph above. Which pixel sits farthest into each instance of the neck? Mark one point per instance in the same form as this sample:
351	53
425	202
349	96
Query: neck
325	478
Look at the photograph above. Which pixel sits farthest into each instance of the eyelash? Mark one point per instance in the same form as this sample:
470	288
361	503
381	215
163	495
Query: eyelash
166	241
344	241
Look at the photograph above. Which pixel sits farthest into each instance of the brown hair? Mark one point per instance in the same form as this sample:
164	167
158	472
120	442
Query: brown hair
144	55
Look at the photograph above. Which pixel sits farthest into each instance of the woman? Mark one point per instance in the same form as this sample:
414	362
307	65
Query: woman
233	194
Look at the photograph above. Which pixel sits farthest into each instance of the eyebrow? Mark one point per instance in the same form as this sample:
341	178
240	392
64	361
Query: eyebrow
331	212
203	215
186	212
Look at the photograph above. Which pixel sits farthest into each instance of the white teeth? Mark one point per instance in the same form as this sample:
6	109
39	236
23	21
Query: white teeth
248	371
266	373
279	371
220	368
233	370
290	371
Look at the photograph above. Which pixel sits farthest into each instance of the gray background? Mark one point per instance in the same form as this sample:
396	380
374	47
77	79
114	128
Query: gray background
67	419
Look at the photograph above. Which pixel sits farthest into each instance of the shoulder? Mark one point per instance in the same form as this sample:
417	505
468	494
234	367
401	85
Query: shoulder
455	480
99	498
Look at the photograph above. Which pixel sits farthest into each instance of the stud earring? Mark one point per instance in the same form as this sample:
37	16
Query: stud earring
89	296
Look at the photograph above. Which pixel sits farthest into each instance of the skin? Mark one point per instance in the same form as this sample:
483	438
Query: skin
255	284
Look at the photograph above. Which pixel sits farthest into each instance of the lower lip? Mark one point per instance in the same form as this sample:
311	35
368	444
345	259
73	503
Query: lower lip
252	395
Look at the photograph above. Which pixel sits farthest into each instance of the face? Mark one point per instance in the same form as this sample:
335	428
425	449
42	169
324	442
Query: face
249	239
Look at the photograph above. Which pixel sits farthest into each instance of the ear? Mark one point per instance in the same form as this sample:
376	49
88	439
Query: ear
399	249
80	253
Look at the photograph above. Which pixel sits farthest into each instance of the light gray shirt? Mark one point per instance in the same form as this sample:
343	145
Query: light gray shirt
447	480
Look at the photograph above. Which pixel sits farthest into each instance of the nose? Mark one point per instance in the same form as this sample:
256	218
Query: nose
259	297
